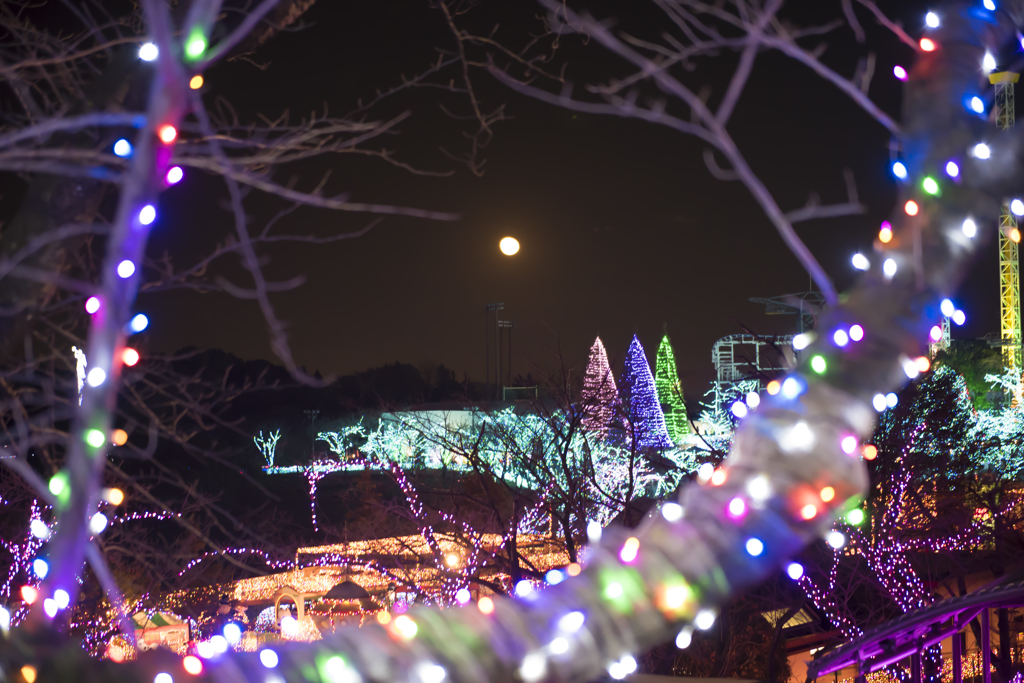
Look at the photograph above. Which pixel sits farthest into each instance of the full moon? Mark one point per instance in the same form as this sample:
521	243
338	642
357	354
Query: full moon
508	245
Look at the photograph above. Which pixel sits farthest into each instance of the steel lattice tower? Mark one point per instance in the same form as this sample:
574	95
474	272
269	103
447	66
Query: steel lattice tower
1009	237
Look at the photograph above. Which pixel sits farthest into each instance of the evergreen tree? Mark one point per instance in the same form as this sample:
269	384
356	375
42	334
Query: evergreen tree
670	393
644	410
600	395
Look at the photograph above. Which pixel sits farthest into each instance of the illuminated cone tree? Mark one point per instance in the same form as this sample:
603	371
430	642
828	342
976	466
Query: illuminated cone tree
644	410
600	395
670	393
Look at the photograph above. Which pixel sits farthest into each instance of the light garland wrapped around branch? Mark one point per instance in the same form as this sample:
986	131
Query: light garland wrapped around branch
676	571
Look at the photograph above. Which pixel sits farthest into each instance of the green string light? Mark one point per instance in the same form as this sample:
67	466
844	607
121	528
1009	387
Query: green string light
58	483
95	438
930	186
195	46
818	364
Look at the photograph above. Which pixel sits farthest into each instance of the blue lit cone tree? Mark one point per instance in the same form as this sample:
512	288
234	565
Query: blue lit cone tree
670	393
647	422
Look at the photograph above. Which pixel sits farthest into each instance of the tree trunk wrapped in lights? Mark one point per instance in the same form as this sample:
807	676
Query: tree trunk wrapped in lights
641	587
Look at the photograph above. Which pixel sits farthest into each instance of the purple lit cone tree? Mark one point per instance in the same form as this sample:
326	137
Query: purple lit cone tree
602	404
647	422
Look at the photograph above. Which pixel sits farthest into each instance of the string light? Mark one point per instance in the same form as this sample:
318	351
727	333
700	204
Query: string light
119	437
40	568
856	333
878	401
196	82
269	658
630	549
163	677
929	185
990	5
97	523
193	665
885	233
737	508
899	72
138	323
981	151
125	269
62	598
889	267
123	148
870	452
704	620
809	511
855	516
773	387
935	333
753	399
970	228
174	175
959	317
977	105
167	133
94	438
791	388
147	214
827	494
927	45
673	512
28	672
911	208
988	62
899	169
1017	207
739	409
195	46
148	52
754	547
952	170
485	605
129	356
931	20
818	364
113	496
891	399
848	444
96	377
794	570
835	539
860	261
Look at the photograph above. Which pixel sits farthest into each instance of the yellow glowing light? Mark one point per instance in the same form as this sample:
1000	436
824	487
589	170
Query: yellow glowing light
405	627
870	452
509	246
928	45
911	208
167	133
1015	235
922	363
828	493
193	665
452	560
773	387
808	511
676	596
384	617
718	478
113	496
28	673
196	83
486	605
573	569
885	235
119	437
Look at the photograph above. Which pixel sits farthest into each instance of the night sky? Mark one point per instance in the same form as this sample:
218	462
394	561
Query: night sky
622	229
